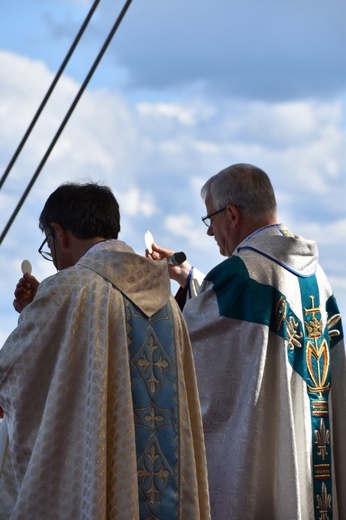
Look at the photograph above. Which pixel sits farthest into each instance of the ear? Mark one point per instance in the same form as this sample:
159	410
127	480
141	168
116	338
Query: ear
61	235
233	215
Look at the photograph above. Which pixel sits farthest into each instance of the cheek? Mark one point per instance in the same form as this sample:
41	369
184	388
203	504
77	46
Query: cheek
221	233
223	239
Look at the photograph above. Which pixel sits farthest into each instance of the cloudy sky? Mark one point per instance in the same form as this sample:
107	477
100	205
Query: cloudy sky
186	88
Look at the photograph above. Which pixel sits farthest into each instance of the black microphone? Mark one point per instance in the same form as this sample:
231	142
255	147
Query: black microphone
177	258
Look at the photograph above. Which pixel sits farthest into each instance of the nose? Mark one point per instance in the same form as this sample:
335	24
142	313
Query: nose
210	231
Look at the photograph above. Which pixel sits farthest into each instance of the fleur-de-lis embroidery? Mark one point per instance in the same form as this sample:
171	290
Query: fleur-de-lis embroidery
146	363
324	503
322	439
145	473
153	418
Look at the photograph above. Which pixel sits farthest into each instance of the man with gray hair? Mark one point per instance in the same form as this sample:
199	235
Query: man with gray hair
270	360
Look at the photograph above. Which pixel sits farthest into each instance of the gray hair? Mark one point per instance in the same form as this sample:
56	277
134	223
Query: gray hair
244	185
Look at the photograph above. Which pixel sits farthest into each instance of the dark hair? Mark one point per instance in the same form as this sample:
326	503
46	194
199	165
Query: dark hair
86	210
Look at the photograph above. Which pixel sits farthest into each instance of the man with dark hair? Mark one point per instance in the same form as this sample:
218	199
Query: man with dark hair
97	382
270	360
87	211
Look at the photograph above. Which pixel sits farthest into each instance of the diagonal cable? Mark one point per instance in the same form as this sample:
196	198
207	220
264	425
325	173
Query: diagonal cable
49	92
66	118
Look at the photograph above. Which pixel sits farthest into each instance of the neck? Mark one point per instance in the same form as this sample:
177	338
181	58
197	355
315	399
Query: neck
78	246
82	246
250	227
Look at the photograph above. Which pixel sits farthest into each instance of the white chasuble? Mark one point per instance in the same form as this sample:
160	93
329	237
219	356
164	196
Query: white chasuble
270	361
98	388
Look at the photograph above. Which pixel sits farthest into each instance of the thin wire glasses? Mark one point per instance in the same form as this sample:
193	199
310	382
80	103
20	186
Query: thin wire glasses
207	220
47	255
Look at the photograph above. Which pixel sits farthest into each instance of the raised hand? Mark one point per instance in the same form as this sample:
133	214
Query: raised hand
25	291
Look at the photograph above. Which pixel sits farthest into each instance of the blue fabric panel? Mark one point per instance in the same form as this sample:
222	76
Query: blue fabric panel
152	357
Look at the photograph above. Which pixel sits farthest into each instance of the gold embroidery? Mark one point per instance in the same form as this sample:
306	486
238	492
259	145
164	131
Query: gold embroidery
319	408
314	327
324	503
156	408
318	374
153	419
322	437
331	322
285	231
293	336
145	363
317	352
144	473
322	471
281	312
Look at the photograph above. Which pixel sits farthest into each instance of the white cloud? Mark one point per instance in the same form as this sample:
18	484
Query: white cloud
186	115
136	203
326	233
156	155
185	228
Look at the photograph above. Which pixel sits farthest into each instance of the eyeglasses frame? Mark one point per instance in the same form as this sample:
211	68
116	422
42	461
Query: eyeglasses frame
204	219
47	255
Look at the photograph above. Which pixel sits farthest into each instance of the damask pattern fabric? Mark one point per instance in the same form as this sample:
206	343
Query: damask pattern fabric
270	361
66	389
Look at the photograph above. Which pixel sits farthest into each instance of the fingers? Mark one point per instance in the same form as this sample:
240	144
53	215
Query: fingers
25	291
21	287
179	272
155	253
160	252
22	299
18	306
32	281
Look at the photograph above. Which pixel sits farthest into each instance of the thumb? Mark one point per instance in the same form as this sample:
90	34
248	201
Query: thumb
32	281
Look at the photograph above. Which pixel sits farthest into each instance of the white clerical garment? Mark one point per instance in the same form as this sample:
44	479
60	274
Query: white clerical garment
98	389
270	362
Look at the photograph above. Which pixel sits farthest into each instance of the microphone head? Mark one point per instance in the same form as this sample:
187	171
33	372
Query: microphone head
177	258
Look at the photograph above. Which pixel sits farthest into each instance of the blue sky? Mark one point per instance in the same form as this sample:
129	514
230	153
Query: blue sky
186	88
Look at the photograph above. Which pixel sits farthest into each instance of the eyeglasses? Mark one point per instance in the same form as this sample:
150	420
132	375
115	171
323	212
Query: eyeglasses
47	255
207	220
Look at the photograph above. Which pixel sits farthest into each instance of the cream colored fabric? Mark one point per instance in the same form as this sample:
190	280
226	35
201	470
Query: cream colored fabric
66	393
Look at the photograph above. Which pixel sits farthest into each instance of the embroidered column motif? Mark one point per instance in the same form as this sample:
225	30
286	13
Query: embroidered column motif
155	399
318	365
309	354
